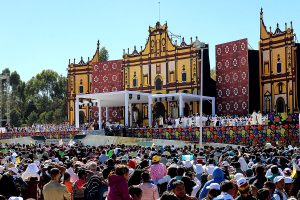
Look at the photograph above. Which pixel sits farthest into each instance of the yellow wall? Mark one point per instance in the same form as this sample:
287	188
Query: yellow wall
77	72
274	43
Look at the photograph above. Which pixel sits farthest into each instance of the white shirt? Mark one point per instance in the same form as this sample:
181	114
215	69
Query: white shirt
225	196
277	197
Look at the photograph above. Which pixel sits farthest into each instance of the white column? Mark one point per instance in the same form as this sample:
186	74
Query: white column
201	100
126	109
130	115
213	106
180	106
100	115
76	110
106	113
149	110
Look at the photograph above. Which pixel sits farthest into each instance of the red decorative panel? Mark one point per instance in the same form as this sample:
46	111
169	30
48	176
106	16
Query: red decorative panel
232	78
107	77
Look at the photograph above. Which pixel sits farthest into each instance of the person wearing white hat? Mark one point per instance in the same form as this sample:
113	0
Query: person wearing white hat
8	187
198	169
31	171
288	185
214	190
279	193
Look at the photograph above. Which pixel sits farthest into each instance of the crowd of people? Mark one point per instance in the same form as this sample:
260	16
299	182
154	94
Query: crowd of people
122	172
43	128
256	118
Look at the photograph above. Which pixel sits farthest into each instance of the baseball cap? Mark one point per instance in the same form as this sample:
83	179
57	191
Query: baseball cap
288	180
225	163
156	158
238	176
13	169
215	186
278	178
242	183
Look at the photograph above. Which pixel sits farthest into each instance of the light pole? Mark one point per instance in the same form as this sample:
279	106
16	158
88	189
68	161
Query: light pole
200	46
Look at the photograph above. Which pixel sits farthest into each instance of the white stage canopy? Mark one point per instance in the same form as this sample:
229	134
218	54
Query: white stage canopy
126	98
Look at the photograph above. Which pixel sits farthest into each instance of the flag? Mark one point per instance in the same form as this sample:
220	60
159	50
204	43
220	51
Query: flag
60	143
18	160
295	168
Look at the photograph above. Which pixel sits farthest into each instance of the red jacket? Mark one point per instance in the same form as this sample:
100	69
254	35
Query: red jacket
118	188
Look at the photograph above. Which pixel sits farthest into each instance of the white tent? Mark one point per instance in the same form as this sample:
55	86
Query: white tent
126	98
115	99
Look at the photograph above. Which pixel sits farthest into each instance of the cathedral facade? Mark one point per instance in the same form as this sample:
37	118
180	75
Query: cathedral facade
279	64
164	66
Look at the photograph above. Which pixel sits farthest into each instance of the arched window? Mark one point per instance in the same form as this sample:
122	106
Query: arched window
135	82
278	65
80	87
158	84
183	74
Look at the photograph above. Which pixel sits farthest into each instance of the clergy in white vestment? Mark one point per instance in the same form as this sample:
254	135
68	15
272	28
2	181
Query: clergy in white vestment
254	118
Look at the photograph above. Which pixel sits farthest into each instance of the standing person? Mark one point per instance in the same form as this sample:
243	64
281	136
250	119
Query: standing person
259	179
118	184
150	191
8	187
78	186
103	157
67	182
179	191
214	190
157	170
227	191
136	193
218	177
279	193
244	190
54	190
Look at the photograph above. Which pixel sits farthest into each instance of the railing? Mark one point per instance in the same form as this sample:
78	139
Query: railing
276	134
47	135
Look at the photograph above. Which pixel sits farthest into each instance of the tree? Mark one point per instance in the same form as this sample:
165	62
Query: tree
15	118
14	80
42	99
103	54
32	118
6	71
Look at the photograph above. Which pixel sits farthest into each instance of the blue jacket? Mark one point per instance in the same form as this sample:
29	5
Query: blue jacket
218	177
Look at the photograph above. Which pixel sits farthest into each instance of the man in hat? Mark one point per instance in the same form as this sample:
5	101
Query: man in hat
244	190
279	193
8	187
157	170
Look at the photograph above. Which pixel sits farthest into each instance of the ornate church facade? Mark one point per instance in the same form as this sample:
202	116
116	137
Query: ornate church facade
279	64
164	66
79	81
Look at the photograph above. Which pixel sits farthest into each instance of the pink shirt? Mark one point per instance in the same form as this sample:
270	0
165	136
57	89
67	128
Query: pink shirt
158	171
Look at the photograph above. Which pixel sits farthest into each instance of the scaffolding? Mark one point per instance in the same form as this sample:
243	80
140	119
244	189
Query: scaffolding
4	99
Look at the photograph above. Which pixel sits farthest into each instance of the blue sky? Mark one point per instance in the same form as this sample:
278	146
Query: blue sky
37	35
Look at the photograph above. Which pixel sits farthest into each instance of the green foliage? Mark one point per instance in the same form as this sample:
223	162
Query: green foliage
15	118
42	99
103	54
32	118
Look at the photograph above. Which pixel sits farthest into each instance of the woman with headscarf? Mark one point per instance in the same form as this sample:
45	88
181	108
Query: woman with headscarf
31	178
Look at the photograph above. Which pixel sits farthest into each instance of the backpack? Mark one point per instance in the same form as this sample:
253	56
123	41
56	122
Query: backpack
95	189
78	193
